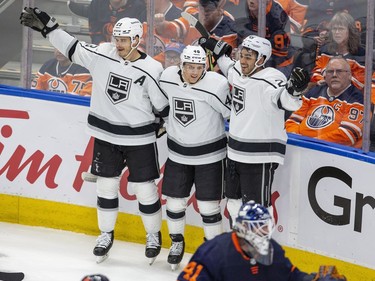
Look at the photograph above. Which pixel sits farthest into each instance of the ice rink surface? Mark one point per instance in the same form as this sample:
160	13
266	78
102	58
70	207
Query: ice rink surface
45	254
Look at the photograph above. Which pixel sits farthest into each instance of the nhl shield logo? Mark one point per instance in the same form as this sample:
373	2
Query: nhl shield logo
184	111
238	99
118	88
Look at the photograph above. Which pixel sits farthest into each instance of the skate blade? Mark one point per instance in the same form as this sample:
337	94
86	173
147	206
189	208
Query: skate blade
88	177
100	259
151	260
174	267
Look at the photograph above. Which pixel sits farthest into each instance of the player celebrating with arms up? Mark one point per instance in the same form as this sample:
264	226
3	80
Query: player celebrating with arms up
121	119
199	101
257	137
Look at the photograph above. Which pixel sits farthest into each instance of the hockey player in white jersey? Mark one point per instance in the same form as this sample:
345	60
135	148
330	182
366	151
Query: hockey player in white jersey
199	103
121	119
257	136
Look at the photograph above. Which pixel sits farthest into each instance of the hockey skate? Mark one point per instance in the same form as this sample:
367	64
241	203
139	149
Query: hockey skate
176	252
103	245
153	246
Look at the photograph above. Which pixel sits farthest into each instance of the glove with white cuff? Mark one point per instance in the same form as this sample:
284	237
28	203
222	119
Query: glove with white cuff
298	81
218	48
38	20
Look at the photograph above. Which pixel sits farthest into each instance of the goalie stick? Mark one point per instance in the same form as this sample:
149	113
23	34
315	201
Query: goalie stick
202	30
12	276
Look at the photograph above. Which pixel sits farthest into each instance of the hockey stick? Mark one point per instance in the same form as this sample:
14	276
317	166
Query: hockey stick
195	23
86	176
202	30
12	276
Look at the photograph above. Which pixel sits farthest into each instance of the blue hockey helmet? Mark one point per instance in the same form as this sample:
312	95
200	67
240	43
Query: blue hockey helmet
255	225
95	277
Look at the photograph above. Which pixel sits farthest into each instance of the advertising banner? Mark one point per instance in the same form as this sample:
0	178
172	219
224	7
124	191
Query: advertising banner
322	202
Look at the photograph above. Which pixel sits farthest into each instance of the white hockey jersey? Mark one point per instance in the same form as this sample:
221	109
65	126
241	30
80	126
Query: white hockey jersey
256	129
123	92
196	128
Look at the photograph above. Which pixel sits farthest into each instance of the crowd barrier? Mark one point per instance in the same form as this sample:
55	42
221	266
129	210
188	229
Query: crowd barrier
323	196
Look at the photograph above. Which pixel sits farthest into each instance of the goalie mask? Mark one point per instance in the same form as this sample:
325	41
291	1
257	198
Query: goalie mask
255	225
260	45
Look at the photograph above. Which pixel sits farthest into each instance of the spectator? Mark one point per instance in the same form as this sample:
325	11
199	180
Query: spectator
249	253
333	111
172	54
103	14
320	12
296	12
344	40
164	11
199	102
212	15
60	75
179	3
257	136
276	21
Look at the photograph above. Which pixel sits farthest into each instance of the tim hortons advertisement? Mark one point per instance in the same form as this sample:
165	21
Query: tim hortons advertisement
323	202
44	149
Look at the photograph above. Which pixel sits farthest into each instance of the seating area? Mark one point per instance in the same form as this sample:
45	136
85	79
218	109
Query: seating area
10	53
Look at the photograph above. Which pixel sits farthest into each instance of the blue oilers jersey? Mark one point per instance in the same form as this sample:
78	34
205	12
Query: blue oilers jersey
221	259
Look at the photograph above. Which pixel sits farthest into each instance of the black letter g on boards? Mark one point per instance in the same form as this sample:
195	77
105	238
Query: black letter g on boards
344	203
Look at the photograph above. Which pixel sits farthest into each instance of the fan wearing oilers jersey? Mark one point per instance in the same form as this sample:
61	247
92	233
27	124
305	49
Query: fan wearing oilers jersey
125	94
257	137
199	104
332	111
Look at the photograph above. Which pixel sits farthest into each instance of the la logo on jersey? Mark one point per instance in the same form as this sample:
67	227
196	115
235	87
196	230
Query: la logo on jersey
118	88
321	117
238	99
184	111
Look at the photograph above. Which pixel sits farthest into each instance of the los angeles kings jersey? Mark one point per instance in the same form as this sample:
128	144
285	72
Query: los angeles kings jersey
256	128
196	128
123	93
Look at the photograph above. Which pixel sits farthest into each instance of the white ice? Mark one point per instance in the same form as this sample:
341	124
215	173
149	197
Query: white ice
45	254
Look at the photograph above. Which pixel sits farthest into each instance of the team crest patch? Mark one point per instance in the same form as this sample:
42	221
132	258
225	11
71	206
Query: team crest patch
118	88
57	85
184	111
321	117
238	99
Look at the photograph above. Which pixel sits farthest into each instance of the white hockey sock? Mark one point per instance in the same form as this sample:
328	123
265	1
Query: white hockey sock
107	205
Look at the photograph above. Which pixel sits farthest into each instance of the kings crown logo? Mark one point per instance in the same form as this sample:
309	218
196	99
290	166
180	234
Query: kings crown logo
184	111
118	88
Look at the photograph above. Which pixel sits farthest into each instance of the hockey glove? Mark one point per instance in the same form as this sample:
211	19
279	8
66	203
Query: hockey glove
298	81
38	20
218	48
160	129
328	273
